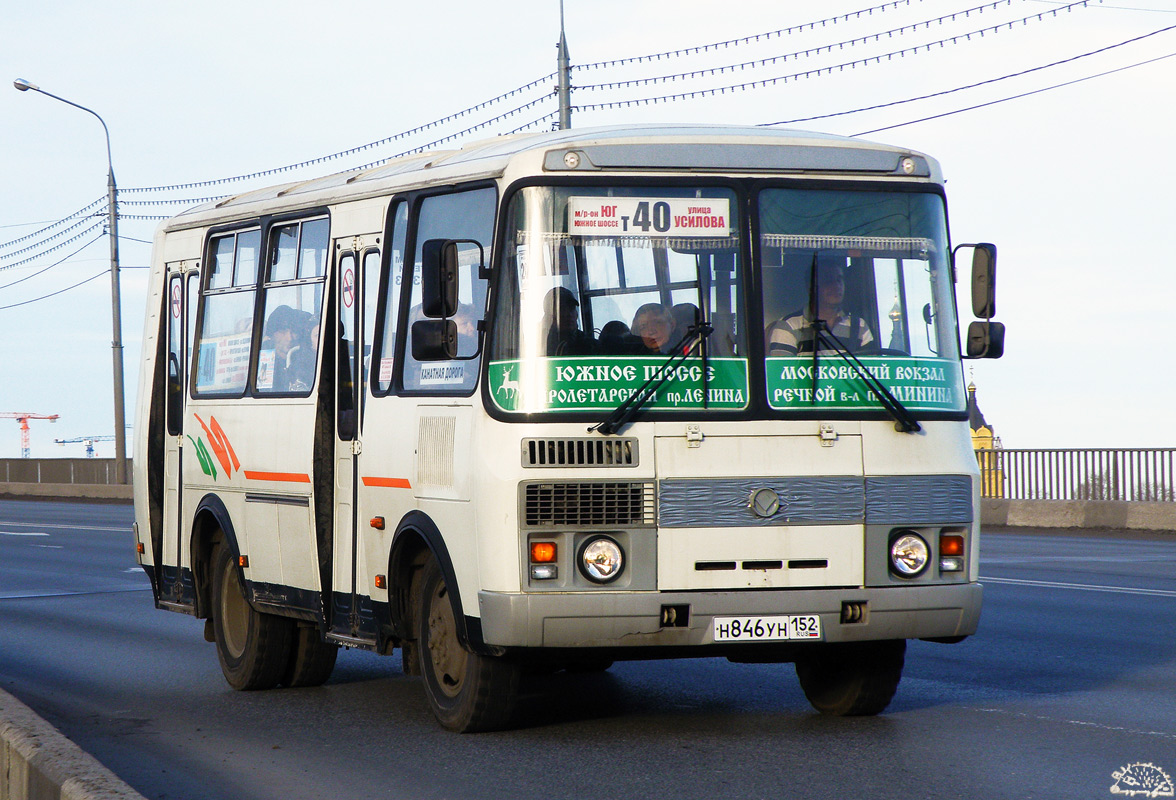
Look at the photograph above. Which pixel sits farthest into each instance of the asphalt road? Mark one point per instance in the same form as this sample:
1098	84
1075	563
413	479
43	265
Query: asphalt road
1071	679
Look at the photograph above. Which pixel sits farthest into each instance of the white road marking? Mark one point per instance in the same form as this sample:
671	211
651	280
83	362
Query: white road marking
126	529
1085	587
39	595
1078	723
23	533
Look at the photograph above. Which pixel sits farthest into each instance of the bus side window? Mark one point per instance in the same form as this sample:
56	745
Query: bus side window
465	216
293	305
226	314
390	287
175	355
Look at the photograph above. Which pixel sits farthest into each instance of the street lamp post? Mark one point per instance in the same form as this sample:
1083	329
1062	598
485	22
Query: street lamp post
120	443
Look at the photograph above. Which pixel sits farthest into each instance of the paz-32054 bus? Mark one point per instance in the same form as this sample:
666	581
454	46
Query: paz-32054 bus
557	399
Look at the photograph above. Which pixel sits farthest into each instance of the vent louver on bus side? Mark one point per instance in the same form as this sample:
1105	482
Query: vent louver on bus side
580	452
589	504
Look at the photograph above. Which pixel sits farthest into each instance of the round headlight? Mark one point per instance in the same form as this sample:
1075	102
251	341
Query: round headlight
601	560
909	554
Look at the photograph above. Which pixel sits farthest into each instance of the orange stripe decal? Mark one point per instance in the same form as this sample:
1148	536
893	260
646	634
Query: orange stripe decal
282	477
388	483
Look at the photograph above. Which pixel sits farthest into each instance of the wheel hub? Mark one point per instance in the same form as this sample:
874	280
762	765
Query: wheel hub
446	655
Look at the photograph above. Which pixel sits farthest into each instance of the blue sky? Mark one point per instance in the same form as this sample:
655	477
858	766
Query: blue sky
1074	184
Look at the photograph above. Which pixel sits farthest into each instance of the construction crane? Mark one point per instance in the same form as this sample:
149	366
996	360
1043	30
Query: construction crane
22	419
88	441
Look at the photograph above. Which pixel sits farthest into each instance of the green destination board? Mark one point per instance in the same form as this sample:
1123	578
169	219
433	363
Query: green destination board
920	384
603	383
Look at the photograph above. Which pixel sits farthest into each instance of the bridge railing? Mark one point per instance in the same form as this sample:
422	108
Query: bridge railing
94	471
1131	475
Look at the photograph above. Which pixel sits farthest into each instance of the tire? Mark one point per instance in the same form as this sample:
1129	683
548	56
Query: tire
253	647
311	659
467	691
852	680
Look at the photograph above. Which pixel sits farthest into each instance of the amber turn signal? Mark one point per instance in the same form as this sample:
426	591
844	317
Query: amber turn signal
951	544
542	552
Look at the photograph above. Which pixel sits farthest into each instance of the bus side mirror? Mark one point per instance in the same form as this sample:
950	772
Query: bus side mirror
434	340
984	281
439	278
986	339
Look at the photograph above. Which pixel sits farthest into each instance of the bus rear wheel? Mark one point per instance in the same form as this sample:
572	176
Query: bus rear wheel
854	679
311	659
467	691
253	647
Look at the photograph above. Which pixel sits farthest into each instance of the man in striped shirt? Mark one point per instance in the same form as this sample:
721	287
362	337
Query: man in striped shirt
794	333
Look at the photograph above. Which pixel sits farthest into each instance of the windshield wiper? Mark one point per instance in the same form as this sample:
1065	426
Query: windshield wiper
903	419
641	395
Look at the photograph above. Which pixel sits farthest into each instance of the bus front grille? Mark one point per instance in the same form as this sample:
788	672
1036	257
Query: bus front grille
580	452
589	504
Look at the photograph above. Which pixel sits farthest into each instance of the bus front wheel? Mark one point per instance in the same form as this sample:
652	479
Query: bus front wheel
467	691
253	647
854	679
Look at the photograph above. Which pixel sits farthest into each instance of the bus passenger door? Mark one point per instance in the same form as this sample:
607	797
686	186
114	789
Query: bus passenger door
182	291
351	617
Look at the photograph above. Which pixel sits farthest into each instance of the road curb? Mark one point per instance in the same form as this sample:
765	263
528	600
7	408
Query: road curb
84	492
37	762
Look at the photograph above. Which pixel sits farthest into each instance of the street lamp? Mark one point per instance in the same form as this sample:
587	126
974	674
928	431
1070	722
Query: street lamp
120	443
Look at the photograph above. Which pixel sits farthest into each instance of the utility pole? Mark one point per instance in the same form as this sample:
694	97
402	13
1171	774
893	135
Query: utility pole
116	346
565	76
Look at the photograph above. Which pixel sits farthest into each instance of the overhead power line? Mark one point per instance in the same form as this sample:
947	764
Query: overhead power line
37	245
54	264
352	151
703	48
58	246
460	134
972	85
814	73
59	291
1017	96
12	243
809	52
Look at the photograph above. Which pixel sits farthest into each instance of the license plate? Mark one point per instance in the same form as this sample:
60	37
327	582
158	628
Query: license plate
766	629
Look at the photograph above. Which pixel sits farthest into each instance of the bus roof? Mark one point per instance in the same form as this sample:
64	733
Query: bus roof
645	148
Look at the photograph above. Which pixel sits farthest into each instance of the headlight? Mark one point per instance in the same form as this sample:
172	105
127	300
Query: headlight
601	560
909	554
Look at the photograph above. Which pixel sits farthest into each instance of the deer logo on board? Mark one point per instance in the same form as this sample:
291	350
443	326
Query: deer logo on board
509	387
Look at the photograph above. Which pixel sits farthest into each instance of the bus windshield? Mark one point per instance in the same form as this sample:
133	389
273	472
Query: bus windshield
602	285
862	272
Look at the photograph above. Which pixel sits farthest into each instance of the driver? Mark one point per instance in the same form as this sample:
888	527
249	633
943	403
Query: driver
794	333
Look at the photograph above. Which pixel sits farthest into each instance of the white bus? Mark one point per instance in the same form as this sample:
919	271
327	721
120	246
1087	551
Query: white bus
557	399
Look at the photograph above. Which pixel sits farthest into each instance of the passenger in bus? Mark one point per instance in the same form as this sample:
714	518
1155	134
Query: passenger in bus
562	321
794	333
289	333
653	328
686	316
615	338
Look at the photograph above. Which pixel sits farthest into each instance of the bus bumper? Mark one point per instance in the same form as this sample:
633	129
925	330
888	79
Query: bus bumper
634	619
